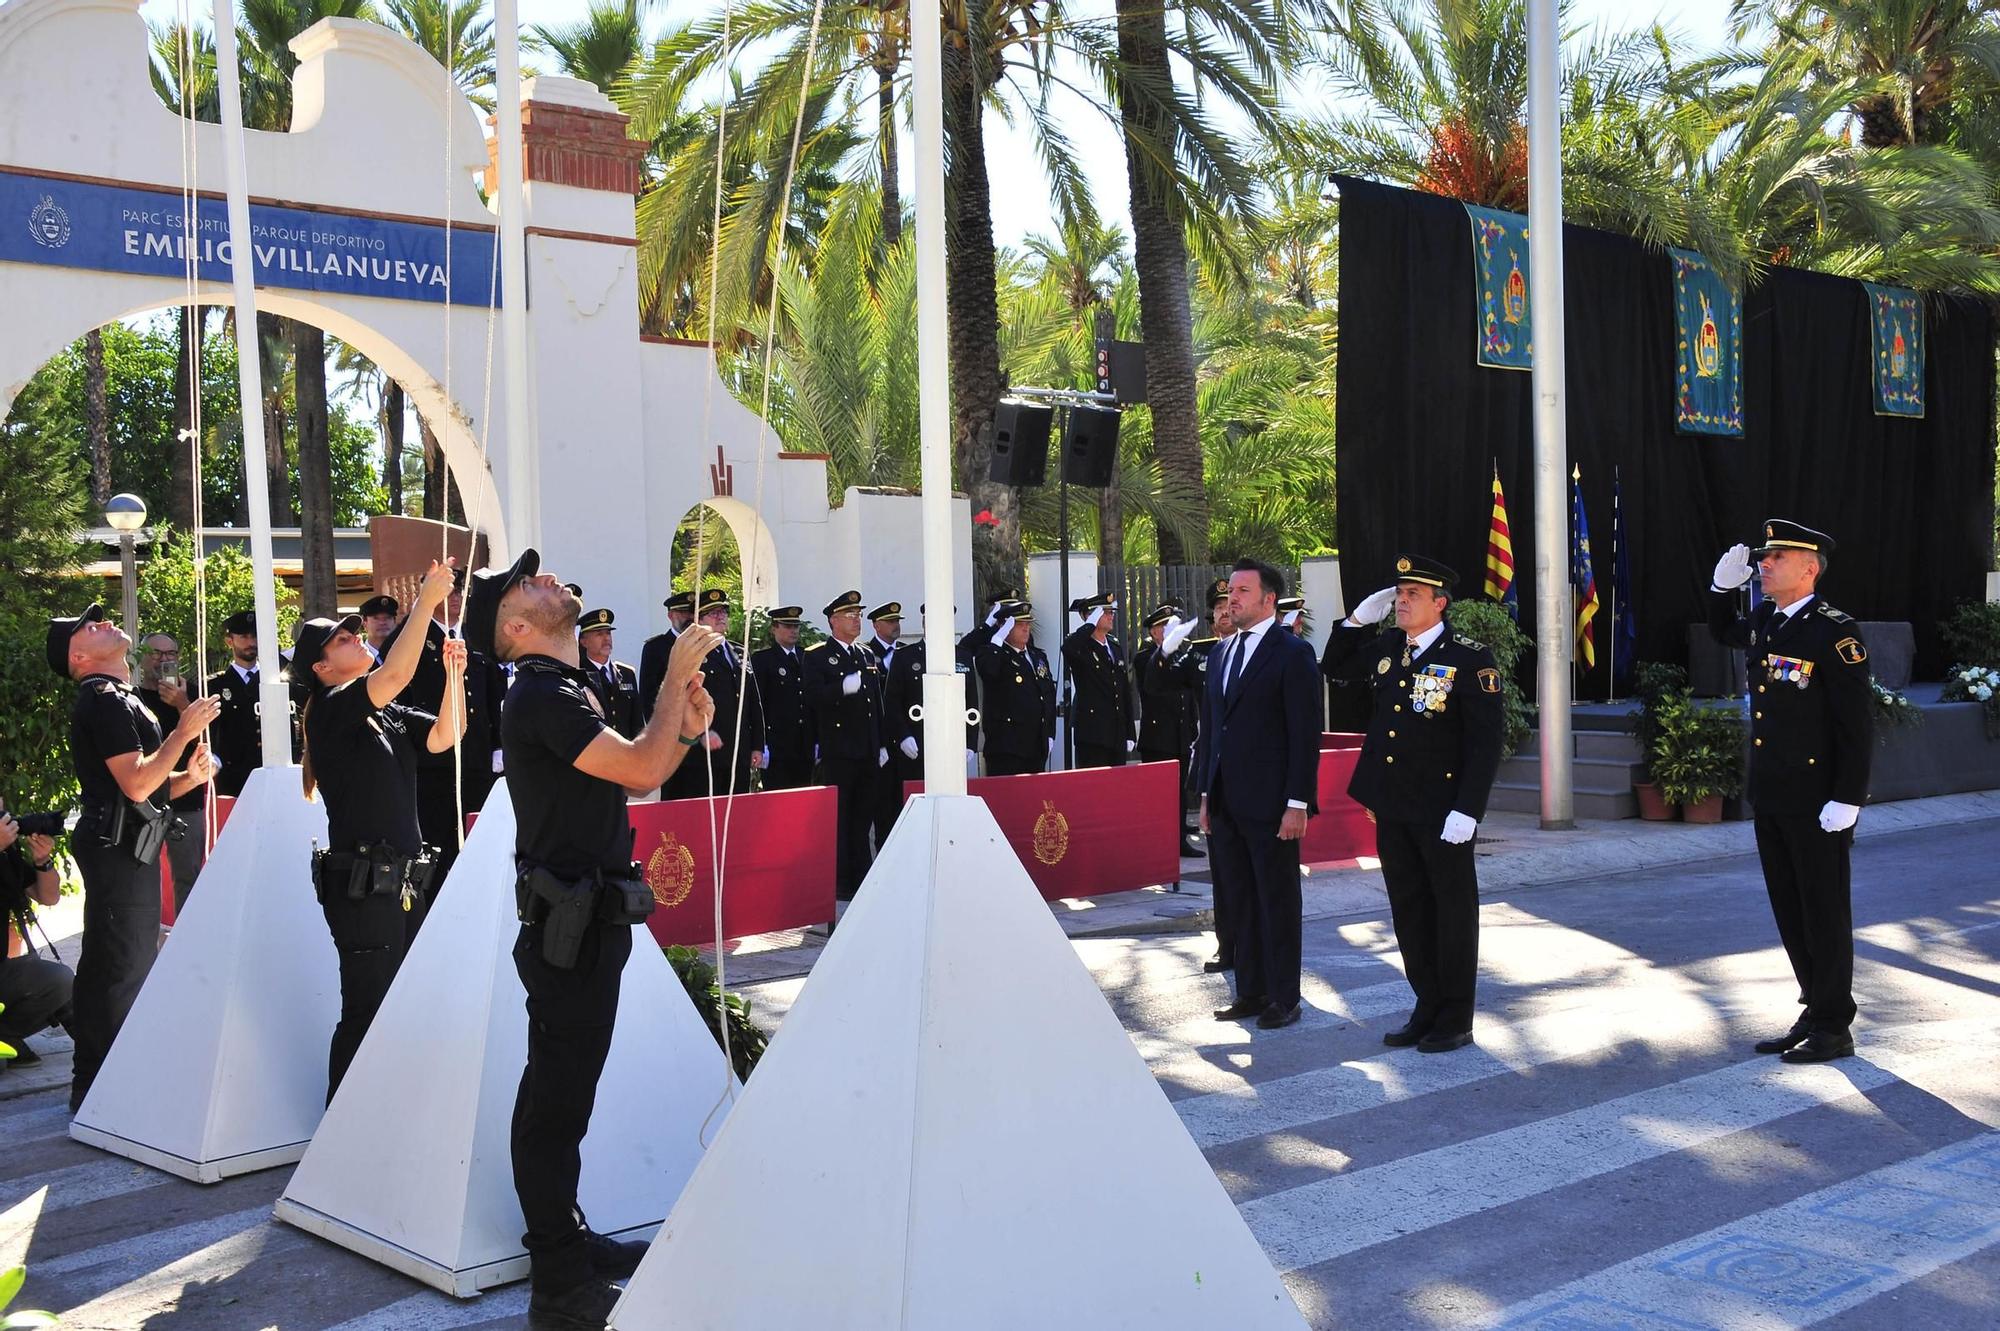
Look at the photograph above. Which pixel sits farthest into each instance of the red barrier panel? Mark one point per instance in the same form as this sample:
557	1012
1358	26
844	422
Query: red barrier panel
778	860
1340	739
1084	833
1342	830
223	804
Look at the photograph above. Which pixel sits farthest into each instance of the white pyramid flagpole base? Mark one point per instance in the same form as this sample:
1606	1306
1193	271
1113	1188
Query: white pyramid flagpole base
220	1068
411	1165
949	1122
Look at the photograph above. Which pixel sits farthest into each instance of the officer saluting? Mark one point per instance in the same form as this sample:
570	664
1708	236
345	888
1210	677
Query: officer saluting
578	894
616	684
127	771
1425	772
1167	714
238	734
844	686
653	655
1017	695
1102	708
781	687
1812	737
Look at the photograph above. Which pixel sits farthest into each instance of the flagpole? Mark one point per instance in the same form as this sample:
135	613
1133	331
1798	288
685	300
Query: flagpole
1552	670
523	476
1617	534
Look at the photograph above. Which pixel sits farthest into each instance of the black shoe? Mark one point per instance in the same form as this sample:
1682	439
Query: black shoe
1241	1008
581	1307
1444	1042
1821	1047
1217	964
1409	1033
1190	851
24	1057
1780	1044
614	1259
1275	1018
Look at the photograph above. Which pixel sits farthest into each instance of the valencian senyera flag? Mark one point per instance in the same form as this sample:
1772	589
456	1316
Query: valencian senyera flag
1708	348
1896	340
1500	268
1580	575
1500	551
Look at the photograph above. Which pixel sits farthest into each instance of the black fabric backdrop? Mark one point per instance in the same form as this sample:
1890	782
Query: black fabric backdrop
1909	502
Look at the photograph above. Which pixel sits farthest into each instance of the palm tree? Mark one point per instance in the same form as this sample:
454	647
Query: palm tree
456	33
599	48
183	70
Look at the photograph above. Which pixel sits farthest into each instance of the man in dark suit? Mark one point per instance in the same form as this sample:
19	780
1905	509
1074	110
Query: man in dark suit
237	737
1102	708
653	655
1259	768
844	686
1166	714
734	746
1017	695
1812	735
1425	772
781	688
615	683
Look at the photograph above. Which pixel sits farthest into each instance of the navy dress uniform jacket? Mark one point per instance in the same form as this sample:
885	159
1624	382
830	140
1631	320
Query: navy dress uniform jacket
1017	695
848	725
1811	715
619	692
1436	726
1103	708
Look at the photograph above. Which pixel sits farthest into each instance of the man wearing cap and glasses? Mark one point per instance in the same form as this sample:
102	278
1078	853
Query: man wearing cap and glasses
616	683
733	747
1812	735
128	772
579	894
844	689
1424	774
653	655
1017	694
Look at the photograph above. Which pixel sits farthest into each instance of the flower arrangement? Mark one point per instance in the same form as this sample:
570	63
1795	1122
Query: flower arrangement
1893	711
1980	684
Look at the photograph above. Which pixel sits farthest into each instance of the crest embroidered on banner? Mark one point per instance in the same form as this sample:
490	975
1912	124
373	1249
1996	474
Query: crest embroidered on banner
1500	268
1708	348
1896	341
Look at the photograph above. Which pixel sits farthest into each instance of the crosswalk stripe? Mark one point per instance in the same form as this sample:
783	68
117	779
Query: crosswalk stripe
76	1185
1315	1222
158	1286
432	1311
1802	1262
145	1252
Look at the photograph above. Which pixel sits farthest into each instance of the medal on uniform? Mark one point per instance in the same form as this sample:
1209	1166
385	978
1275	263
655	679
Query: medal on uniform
1382	666
1430	687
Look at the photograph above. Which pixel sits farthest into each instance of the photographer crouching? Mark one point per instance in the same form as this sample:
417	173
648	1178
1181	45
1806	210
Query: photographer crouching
127	769
34	993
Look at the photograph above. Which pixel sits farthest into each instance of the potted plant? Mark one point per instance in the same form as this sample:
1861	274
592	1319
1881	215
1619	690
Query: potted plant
1697	755
1652	681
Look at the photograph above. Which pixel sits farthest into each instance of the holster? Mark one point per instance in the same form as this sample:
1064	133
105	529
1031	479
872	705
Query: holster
373	870
138	827
565	910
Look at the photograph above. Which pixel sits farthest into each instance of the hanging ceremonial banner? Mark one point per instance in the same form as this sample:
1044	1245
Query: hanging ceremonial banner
1500	266
1896	336
1708	340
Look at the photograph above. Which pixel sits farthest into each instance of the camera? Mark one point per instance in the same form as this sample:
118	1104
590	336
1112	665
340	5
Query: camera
40	824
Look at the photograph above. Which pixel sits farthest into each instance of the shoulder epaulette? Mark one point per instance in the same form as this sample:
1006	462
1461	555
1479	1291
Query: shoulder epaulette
103	685
1464	641
816	646
1837	616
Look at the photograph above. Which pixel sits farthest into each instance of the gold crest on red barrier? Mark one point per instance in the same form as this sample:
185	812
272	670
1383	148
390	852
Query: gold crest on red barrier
1051	834
670	871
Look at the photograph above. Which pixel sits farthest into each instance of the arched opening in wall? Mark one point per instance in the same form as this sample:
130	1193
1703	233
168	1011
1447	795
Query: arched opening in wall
110	413
735	550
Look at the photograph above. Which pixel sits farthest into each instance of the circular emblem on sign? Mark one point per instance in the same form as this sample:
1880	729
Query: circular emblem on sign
49	224
1402	566
670	871
1051	835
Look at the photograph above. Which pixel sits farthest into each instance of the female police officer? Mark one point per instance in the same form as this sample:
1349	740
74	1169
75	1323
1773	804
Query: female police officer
360	749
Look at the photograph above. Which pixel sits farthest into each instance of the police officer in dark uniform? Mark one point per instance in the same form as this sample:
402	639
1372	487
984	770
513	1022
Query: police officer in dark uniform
1812	735
1101	702
902	691
733	748
579	894
781	689
1167	714
1425	772
653	655
450	786
616	684
844	686
238	733
164	693
379	617
360	750
128	771
885	628
1182	663
1017	695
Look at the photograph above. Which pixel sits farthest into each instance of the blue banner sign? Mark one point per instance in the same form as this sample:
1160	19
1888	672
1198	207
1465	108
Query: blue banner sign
120	229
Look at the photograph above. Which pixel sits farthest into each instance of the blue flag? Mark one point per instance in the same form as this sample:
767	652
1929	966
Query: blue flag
1581	576
1625	624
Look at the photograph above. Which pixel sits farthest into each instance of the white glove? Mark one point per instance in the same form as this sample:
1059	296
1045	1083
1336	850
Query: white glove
851	685
1177	633
1733	569
1000	634
499	761
909	747
766	751
992	614
881	757
1291	618
1458	828
1131	746
1371	610
1838	817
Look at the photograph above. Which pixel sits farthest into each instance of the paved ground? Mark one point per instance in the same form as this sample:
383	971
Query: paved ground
1610	1156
